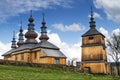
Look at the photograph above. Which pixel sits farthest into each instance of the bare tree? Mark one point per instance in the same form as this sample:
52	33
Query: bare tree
113	44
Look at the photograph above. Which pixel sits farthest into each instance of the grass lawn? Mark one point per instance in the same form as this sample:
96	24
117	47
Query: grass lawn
8	72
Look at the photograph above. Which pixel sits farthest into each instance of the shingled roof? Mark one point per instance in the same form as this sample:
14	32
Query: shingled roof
49	49
92	32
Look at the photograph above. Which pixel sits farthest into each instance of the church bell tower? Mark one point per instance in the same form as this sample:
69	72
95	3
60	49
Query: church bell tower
93	50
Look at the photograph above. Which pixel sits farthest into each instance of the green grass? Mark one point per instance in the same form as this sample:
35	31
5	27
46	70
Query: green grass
8	72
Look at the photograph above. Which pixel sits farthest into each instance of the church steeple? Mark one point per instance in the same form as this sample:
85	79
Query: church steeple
93	50
21	39
13	41
43	36
92	22
31	35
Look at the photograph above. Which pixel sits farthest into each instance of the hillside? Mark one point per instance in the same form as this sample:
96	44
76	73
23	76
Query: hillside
8	72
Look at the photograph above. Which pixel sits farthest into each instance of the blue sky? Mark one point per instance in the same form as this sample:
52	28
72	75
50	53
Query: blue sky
66	20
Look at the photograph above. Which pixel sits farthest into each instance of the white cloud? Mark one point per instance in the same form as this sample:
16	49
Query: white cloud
71	51
104	31
4	48
116	31
96	15
10	8
110	7
73	27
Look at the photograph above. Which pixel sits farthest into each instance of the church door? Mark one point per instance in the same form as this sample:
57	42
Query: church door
57	61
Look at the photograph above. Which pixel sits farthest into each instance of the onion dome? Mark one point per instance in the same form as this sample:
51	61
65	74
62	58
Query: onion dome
43	36
31	34
13	41
21	39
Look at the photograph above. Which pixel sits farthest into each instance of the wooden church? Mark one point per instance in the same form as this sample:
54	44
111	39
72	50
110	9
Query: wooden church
32	51
94	59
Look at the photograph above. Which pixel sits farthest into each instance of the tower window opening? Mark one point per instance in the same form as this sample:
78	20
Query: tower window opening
90	38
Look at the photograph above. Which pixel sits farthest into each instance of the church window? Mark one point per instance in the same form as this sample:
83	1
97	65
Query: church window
56	60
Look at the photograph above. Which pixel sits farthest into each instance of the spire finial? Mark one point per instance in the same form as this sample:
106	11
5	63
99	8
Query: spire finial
92	22
13	34
30	13
91	12
91	18
43	22
20	24
21	30
31	19
43	16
